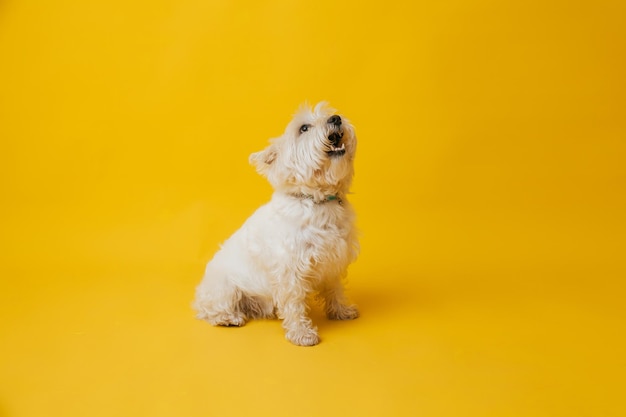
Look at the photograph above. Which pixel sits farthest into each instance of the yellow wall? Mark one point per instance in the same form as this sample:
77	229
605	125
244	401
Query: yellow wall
490	188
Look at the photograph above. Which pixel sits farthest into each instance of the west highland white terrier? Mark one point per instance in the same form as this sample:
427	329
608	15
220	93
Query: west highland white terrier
300	243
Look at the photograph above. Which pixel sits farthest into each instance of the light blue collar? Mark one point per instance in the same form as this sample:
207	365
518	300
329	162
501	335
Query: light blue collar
328	198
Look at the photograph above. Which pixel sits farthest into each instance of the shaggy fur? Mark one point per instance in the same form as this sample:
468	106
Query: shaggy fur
300	243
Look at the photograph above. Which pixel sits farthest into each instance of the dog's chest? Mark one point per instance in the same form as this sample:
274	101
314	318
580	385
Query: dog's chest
308	235
322	233
319	227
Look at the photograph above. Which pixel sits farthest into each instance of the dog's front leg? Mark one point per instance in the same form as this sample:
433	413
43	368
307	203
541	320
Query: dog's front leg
294	310
335	302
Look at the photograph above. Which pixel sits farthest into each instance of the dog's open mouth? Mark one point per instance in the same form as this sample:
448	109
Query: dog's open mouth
336	147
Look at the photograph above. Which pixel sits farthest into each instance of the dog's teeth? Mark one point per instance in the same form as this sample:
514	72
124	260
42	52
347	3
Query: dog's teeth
334	148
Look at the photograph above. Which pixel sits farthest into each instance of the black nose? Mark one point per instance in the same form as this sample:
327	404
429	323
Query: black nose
334	120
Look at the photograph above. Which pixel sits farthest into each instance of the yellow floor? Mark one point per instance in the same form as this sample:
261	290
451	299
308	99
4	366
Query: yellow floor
490	189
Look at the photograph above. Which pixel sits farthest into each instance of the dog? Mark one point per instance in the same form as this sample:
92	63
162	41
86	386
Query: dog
299	244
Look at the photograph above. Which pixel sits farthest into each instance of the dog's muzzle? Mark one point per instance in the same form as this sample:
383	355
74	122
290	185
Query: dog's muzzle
336	134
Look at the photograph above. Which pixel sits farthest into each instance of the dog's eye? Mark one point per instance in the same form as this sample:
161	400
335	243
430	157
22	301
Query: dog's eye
304	128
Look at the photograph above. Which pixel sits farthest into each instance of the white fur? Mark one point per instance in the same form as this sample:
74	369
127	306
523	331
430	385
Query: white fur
299	244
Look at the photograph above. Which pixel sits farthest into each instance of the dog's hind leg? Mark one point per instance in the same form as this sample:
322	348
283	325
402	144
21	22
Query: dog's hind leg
218	301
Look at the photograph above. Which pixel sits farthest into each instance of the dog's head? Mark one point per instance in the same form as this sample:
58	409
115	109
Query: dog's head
314	156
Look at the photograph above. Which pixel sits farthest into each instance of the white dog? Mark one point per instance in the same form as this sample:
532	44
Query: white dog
300	243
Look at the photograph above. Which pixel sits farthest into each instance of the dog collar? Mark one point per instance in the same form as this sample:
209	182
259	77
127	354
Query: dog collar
328	198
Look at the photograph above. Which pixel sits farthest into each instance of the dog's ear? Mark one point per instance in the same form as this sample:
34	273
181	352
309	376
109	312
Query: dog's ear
263	159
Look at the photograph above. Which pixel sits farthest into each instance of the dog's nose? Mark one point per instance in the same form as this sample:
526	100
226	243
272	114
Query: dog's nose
334	120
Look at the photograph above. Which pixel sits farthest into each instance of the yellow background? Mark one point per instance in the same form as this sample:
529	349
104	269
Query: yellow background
490	190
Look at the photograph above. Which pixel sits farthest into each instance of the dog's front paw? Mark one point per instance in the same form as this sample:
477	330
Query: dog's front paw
343	313
303	337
